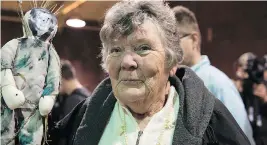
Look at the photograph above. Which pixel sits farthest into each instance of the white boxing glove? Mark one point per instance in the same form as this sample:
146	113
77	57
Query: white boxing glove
46	104
13	97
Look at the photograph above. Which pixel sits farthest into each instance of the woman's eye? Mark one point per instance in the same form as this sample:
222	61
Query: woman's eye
114	50
143	49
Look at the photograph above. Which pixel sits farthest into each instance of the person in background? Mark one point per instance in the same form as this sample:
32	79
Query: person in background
243	66
251	81
71	90
250	67
71	93
214	79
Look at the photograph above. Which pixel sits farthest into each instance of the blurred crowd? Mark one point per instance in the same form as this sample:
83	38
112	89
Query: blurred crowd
251	82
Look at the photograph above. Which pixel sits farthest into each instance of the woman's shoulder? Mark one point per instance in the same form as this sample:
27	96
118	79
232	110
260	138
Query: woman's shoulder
224	126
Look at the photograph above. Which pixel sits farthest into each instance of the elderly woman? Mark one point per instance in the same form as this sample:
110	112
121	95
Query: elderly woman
145	101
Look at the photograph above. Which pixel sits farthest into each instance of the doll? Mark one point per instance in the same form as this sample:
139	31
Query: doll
30	78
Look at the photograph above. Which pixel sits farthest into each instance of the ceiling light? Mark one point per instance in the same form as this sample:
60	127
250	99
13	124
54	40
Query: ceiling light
77	23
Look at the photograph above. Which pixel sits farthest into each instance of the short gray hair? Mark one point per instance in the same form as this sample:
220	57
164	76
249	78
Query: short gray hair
125	17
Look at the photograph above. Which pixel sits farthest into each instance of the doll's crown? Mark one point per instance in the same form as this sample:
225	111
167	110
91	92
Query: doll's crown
53	8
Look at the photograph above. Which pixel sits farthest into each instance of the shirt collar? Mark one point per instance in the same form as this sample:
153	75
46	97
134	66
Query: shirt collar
204	61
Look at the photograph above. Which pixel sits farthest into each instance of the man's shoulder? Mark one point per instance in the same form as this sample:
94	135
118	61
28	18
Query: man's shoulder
218	82
81	92
213	74
77	96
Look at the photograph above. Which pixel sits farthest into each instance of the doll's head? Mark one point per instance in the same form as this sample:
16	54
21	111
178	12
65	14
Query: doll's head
42	23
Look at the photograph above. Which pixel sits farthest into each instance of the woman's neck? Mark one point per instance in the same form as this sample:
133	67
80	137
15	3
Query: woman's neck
143	119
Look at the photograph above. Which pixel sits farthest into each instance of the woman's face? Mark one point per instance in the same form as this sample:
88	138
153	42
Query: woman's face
137	68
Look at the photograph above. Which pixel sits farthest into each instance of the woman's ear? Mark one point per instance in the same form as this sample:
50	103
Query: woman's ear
173	70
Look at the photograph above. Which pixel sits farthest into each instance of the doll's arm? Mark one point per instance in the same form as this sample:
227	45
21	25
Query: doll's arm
52	82
13	97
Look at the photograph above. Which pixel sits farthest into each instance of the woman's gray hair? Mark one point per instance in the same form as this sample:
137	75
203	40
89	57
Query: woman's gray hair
124	18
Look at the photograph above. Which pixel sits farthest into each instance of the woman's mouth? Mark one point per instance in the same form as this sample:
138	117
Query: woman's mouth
131	82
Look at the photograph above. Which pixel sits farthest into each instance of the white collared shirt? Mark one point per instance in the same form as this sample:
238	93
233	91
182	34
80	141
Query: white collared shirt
114	135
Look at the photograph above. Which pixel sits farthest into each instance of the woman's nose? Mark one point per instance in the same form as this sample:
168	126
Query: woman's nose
128	62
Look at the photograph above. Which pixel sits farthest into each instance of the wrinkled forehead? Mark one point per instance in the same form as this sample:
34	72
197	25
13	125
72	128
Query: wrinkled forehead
145	32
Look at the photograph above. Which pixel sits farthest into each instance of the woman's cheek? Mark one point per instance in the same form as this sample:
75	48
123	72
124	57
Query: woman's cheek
113	66
152	66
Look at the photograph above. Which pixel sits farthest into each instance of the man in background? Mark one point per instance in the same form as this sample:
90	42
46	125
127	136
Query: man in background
214	79
71	93
71	90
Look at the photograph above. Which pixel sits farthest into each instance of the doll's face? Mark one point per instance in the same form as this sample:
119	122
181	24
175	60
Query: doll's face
42	23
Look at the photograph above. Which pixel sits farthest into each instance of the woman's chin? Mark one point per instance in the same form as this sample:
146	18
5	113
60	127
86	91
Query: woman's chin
132	95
